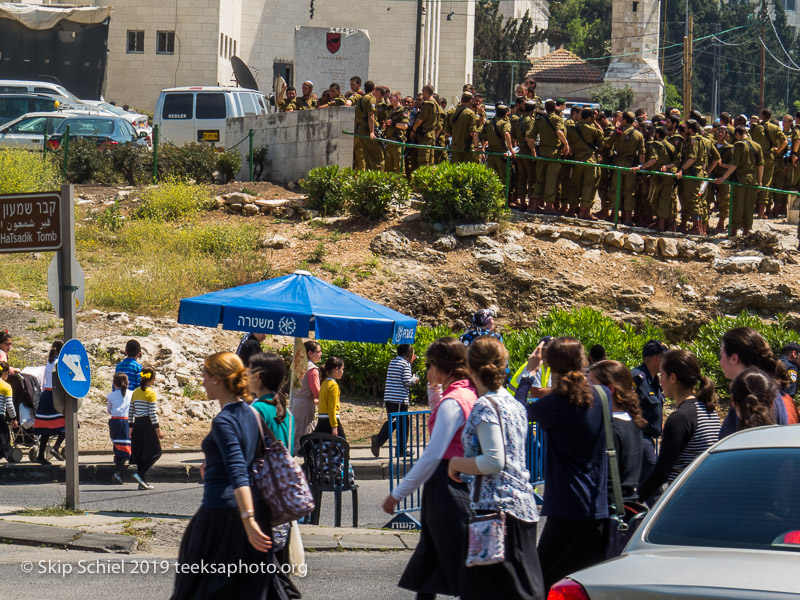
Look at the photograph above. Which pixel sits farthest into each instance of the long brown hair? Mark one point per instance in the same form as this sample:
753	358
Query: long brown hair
684	365
488	360
752	395
449	356
614	373
753	351
566	358
228	367
270	370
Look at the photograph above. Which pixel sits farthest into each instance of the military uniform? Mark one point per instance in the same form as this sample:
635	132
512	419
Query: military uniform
393	152
371	151
494	132
441	138
676	139
629	146
604	185
462	125
287	105
651	402
779	170
428	119
524	165
747	157
712	156
661	186
723	191
690	189
301	103
338	101
791	370
549	147
765	135
568	192
586	142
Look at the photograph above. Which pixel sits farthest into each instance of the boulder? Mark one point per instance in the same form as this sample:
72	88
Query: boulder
770	265
615	239
249	210
477	229
650	245
487	243
390	243
548	231
634	242
566	244
492	262
737	264
446	243
707	252
270	205
9	295
240	198
668	248
592	236
738	296
571	233
276	242
687	249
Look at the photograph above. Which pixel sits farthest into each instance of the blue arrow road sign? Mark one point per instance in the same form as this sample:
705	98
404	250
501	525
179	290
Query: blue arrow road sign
73	369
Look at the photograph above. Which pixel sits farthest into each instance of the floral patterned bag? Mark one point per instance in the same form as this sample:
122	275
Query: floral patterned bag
487	532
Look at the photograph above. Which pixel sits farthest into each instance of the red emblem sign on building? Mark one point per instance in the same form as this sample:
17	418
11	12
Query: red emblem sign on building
333	41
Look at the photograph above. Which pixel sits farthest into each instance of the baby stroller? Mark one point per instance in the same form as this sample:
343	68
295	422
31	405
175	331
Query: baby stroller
26	388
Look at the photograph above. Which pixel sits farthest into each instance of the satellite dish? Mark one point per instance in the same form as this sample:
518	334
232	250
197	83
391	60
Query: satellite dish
454	100
244	77
278	84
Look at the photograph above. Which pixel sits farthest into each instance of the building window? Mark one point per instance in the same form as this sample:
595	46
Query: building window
165	42
222	44
790	5
135	42
636	6
234	47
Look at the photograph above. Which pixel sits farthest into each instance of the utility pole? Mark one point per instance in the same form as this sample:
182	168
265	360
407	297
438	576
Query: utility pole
418	51
687	67
761	54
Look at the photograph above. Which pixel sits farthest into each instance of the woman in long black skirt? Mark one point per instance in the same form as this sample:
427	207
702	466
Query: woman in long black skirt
436	564
232	528
146	433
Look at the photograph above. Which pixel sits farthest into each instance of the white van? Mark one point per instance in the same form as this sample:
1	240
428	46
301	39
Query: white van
198	113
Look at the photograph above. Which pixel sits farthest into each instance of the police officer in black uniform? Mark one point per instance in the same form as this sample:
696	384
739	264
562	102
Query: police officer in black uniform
651	399
790	357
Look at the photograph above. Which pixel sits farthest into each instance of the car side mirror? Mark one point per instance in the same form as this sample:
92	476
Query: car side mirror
142	134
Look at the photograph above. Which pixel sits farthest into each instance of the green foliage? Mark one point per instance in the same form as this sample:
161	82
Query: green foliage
318	253
582	27
706	343
372	193
671	96
110	219
195	162
23	172
133	162
173	200
260	162
86	162
221	239
499	39
229	163
459	192
614	98
326	188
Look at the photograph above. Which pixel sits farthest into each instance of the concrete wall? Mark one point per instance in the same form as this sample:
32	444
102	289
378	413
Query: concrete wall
297	141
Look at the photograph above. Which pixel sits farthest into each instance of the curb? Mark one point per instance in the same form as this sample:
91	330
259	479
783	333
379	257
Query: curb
29	534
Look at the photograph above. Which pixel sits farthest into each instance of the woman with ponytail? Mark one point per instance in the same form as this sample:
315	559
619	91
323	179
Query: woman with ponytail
575	497
694	426
752	395
744	347
265	378
231	526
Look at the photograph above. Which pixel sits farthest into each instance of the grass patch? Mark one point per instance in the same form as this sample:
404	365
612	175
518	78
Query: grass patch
342	281
173	200
49	511
318	253
332	268
43	327
137	331
25	172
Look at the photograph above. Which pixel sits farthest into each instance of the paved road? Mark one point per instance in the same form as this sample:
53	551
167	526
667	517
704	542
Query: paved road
330	575
181	499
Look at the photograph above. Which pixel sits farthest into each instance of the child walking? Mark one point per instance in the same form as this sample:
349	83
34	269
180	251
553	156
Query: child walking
145	444
119	403
130	365
49	422
329	398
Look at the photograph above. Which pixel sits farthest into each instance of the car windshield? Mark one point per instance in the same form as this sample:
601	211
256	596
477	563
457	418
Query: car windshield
88	126
29	125
736	499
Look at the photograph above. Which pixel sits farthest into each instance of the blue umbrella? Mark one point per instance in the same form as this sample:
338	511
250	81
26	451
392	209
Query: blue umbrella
295	305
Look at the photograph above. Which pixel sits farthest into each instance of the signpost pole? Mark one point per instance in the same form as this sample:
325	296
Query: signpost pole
70	312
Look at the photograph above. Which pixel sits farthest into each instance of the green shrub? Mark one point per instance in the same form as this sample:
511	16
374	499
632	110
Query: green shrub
326	188
260	162
459	192
229	163
24	172
372	193
133	162
173	200
194	161
220	240
706	343
109	219
86	162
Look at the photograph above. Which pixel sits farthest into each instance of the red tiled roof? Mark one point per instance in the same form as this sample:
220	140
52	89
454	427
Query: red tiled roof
564	66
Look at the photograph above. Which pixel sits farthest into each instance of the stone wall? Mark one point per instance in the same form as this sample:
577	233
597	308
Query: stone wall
296	141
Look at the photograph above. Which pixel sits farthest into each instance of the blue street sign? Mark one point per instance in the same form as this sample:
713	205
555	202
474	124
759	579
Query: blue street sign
73	369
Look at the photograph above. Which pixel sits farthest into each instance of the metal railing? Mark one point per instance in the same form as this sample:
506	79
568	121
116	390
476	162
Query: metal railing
619	171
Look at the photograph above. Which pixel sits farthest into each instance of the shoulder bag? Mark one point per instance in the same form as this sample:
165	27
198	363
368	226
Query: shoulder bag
487	533
627	517
279	480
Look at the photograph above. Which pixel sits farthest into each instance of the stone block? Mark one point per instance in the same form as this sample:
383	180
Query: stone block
668	248
592	236
615	239
634	242
477	229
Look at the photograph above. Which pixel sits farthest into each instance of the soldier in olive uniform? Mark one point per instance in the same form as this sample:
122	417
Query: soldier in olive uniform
308	101
725	121
586	141
604	183
569	190
628	146
424	129
693	158
781	175
286	99
496	134
394	128
463	127
765	134
524	165
365	125
722	192
441	137
660	153
355	93
748	163
337	99
552	144
712	160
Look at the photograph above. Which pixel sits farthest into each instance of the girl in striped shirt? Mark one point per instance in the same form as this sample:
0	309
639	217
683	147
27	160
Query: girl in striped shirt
145	436
6	408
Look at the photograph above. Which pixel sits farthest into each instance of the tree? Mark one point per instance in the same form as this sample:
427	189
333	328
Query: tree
582	27
498	39
614	98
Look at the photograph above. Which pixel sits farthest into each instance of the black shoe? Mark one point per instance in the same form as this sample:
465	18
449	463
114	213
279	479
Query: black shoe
43	461
375	447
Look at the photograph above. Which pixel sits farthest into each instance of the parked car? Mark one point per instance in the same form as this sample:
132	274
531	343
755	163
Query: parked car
198	113
103	130
39	87
13	105
727	528
28	131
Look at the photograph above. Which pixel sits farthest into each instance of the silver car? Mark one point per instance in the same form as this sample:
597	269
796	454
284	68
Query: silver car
28	131
727	528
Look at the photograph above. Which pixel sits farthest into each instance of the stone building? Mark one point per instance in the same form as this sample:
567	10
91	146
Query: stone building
539	11
155	44
635	32
563	74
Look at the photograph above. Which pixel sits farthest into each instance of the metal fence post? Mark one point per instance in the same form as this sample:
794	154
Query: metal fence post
44	147
66	152
155	153
616	199
730	210
250	157
508	177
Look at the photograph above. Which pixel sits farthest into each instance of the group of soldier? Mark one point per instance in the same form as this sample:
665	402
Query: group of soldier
662	163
